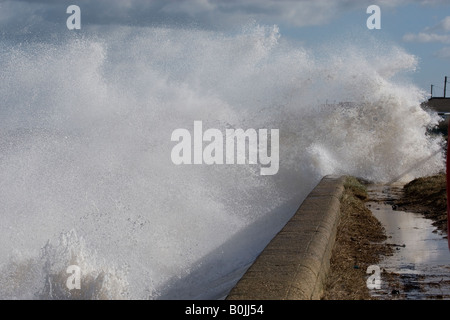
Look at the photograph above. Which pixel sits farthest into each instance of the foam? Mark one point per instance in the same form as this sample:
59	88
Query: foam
85	146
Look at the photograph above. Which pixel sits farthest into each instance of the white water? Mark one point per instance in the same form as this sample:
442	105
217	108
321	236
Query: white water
85	171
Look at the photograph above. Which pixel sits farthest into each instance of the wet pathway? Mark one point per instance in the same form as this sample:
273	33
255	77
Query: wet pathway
421	256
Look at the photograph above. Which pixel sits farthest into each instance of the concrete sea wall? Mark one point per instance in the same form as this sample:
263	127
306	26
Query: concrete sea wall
294	265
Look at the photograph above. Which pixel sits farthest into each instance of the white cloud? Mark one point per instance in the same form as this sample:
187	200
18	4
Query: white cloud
205	13
439	33
424	37
24	16
442	26
444	53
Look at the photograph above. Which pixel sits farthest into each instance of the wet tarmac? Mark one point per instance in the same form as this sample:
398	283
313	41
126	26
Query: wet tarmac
419	268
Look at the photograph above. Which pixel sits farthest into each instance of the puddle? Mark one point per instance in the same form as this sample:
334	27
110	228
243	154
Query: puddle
421	257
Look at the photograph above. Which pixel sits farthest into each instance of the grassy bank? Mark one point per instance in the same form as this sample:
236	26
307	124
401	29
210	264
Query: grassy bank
428	196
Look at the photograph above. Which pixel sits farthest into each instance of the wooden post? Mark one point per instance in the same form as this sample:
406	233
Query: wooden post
445	86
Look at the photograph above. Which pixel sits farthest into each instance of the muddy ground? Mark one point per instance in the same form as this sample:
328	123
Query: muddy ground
359	244
360	236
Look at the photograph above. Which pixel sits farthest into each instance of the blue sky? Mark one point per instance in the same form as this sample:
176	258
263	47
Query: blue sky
434	56
411	26
421	27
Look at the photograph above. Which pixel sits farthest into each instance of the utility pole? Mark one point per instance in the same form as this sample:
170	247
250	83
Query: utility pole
431	91
445	85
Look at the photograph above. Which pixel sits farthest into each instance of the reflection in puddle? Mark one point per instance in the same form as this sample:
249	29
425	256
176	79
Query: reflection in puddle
421	256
